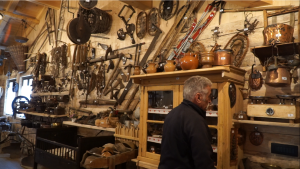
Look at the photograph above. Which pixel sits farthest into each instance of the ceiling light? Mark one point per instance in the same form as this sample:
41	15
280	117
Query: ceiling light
1	16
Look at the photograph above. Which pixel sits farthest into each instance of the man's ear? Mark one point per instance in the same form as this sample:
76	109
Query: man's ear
198	97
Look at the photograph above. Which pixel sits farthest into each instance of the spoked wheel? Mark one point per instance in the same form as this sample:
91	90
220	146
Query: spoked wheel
20	102
167	9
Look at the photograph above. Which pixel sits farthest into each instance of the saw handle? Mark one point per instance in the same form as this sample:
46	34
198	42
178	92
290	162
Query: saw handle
132	38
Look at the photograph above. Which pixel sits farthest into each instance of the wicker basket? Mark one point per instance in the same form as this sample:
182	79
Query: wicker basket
18	55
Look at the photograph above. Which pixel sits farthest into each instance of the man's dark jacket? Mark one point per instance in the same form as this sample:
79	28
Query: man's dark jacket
186	141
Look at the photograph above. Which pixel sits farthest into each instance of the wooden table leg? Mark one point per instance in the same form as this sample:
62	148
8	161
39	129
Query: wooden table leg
111	162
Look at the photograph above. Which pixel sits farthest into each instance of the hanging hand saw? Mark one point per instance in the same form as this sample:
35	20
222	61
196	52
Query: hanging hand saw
151	47
195	30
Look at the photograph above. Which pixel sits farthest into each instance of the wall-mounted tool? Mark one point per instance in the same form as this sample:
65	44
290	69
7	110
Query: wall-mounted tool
124	59
255	79
79	30
239	45
141	25
248	27
125	91
130	28
151	47
189	21
110	65
216	33
124	77
154	19
222	5
114	86
128	67
168	8
88	4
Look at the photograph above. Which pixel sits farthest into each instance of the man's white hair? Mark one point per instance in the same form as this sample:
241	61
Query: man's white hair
194	85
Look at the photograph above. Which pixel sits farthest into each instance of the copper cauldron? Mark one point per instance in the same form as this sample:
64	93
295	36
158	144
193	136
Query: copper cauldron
278	33
278	77
222	57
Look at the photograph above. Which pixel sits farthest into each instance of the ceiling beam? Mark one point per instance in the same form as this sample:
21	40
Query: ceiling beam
10	8
49	4
35	21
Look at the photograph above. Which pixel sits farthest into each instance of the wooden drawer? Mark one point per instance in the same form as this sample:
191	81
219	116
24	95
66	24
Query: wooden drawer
280	111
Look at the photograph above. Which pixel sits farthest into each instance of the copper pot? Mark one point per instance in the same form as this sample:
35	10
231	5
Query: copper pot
189	61
207	59
278	77
278	33
222	57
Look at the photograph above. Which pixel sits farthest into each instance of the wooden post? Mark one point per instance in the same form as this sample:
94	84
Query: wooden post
265	18
292	19
299	25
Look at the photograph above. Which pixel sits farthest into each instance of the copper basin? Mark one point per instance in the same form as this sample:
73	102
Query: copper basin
278	33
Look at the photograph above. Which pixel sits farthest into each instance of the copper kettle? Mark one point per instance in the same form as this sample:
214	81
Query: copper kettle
278	75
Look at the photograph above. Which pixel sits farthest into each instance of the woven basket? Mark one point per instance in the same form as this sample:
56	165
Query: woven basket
18	55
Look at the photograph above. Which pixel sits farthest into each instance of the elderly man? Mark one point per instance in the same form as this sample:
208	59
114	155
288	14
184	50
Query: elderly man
186	142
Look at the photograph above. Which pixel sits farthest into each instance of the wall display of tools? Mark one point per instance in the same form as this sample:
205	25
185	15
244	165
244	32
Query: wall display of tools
130	28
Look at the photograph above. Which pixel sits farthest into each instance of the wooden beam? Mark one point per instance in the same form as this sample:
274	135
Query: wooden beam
265	18
35	21
299	25
143	5
10	8
49	4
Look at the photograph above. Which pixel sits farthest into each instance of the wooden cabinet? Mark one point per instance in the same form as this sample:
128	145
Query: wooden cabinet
160	92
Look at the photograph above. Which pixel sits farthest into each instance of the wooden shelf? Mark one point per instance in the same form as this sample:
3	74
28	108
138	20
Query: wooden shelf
211	113
155	121
50	94
88	126
216	74
146	165
159	111
265	52
252	3
42	114
154	139
267	123
213	126
126	137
